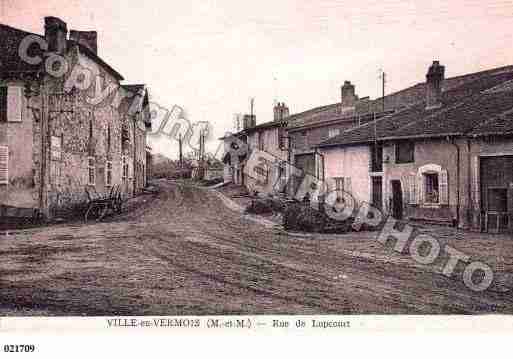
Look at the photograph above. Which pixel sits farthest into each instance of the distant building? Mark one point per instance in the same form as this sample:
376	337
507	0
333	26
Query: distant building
270	137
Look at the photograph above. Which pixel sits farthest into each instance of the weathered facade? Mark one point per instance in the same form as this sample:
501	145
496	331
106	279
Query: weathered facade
67	126
269	137
446	159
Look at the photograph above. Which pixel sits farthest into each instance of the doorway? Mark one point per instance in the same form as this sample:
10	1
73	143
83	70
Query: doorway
397	199
377	192
496	179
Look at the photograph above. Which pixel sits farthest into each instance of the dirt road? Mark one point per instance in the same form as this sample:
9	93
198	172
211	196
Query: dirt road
185	253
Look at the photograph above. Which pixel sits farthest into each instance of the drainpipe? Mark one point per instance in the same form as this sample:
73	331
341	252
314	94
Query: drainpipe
458	151
134	174
469	182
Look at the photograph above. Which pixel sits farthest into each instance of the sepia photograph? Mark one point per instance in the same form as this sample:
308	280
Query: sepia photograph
255	165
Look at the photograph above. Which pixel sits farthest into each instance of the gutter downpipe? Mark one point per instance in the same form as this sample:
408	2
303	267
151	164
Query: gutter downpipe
469	182
458	151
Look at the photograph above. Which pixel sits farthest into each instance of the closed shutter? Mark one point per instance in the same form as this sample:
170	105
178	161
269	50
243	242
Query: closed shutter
3	104
475	183
14	104
420	188
4	165
444	188
412	187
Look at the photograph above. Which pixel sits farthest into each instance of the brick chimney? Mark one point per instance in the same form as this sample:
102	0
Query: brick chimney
348	97
248	121
56	32
88	39
434	79
280	111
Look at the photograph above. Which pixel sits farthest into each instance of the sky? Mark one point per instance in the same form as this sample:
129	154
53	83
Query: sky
212	56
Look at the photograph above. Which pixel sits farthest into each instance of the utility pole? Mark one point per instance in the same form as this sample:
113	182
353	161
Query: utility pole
383	81
180	150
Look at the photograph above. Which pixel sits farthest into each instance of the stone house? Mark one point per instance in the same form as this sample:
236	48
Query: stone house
270	137
65	123
445	159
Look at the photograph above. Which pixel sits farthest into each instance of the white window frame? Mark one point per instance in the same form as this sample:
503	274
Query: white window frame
91	171
4	165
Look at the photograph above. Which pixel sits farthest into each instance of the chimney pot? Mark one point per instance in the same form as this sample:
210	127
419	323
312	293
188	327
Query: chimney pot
280	111
434	79
348	96
56	32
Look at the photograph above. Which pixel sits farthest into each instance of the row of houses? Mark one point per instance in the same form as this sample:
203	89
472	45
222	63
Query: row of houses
439	151
67	122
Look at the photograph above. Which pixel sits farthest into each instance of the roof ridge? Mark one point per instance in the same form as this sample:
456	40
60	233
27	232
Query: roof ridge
20	30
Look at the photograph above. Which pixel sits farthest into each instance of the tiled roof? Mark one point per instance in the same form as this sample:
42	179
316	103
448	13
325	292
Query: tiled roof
463	109
10	60
396	100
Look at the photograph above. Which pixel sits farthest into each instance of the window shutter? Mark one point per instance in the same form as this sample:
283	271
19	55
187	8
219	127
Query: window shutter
3	104
444	188
14	103
412	185
4	165
420	188
475	182
347	185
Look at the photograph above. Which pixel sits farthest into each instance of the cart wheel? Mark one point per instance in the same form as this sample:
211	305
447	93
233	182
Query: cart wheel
91	213
103	212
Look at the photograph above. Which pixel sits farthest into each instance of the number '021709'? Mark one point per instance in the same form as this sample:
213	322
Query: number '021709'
19	348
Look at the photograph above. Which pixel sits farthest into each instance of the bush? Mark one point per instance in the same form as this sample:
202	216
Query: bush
260	206
302	217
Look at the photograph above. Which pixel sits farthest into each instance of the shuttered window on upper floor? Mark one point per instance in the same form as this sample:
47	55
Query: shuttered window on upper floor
11	103
3	104
4	165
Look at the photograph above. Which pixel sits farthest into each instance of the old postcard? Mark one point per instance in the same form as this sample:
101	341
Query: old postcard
255	167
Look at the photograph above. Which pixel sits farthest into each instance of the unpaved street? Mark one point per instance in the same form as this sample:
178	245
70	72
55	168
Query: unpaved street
185	253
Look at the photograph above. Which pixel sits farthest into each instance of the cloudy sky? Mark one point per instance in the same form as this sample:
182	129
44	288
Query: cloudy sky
212	56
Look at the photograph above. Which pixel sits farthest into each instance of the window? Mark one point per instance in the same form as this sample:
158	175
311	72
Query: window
339	184
3	104
376	157
342	184
108	138
108	173
91	171
432	189
11	103
332	132
56	148
124	162
404	152
4	165
261	141
281	137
